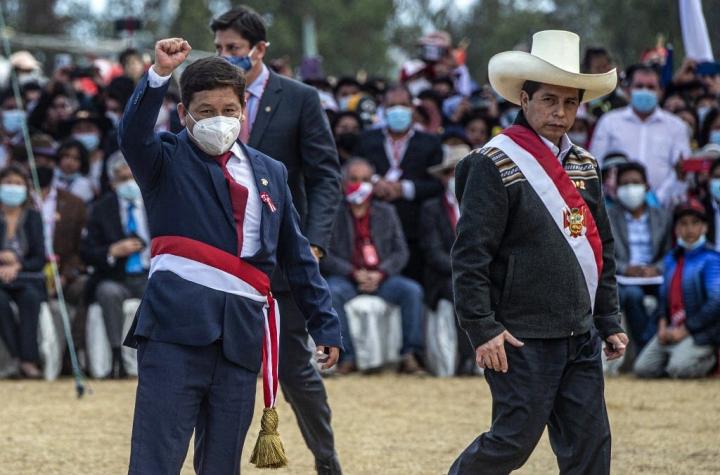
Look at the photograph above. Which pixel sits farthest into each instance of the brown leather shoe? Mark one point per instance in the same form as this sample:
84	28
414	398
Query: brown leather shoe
410	365
30	370
346	367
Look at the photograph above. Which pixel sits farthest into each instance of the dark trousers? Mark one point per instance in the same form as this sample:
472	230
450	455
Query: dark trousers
556	383
181	388
111	295
21	339
302	385
641	325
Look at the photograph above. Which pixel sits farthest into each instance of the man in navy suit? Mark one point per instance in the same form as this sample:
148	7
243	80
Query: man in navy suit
284	119
221	220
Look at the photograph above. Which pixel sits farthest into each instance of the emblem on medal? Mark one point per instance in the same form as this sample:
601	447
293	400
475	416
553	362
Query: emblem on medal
574	221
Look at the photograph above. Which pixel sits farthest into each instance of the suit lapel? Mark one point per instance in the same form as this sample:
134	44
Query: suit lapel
266	109
263	184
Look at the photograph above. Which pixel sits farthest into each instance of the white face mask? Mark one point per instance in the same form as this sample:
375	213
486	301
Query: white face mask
215	135
631	196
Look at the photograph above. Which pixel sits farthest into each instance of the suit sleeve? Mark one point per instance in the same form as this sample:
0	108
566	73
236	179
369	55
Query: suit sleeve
484	211
138	141
428	186
431	242
309	289
333	263
395	262
34	259
94	247
321	171
607	311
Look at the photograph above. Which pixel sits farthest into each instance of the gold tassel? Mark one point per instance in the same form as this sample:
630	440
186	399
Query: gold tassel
269	451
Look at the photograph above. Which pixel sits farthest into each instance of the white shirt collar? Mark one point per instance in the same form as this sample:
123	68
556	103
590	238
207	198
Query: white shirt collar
656	114
237	151
565	147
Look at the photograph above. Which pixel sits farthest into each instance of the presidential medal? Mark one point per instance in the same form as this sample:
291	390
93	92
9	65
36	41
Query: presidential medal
574	221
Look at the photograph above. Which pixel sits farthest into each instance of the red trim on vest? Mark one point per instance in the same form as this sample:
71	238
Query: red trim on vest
531	142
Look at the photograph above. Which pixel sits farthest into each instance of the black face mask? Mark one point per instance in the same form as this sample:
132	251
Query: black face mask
347	141
45	176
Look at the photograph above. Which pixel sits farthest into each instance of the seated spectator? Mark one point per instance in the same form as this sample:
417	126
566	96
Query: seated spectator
401	156
712	205
116	245
689	312
608	174
438	219
90	128
646	134
642	238
72	169
64	216
365	256
22	258
54	107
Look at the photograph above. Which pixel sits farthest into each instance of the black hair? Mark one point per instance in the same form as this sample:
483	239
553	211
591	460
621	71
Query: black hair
244	21
339	115
120	89
125	55
397	87
13	169
704	129
531	87
591	53
640	68
632	167
345	81
714	165
211	73
76	144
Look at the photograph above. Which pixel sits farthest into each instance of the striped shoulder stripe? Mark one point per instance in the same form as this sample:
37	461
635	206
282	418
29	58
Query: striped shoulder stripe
509	172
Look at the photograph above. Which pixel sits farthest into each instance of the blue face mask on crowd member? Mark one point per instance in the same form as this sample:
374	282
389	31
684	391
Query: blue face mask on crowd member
129	190
714	137
690	246
89	140
12	120
243	62
643	100
715	188
13	195
398	118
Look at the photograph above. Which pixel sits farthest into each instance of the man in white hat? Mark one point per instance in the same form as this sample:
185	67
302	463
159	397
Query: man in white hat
533	268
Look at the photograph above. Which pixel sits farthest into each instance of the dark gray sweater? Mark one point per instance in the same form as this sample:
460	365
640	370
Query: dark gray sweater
512	267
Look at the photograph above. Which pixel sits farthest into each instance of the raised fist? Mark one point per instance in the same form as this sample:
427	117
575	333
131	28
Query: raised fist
169	54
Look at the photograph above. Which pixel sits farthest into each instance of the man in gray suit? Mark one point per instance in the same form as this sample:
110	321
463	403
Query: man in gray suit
366	255
284	120
642	238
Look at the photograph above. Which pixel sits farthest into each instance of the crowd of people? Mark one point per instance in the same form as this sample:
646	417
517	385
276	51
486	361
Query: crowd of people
656	141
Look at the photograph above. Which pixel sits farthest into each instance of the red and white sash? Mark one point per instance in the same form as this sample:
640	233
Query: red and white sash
562	200
214	268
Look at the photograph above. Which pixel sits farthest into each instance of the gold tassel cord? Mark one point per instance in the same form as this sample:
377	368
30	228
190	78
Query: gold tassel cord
269	451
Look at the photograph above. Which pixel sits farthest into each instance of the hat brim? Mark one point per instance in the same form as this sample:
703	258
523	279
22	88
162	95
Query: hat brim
439	170
508	72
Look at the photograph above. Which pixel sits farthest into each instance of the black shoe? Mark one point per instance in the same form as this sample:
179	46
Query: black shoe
328	467
118	368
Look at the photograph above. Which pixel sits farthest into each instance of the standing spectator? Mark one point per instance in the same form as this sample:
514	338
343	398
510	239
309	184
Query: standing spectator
710	128
21	261
346	127
438	219
133	64
597	60
285	120
712	205
642	238
366	254
73	166
345	88
401	156
90	128
117	247
689	316
54	107
646	134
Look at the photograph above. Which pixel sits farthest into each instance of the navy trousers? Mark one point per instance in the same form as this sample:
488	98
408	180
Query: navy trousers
556	383
181	388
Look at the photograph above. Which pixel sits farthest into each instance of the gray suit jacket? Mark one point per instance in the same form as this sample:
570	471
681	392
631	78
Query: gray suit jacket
659	230
387	235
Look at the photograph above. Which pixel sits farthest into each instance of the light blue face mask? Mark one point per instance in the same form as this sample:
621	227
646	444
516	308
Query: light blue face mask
715	188
13	195
129	190
693	245
398	118
714	137
89	140
643	100
12	120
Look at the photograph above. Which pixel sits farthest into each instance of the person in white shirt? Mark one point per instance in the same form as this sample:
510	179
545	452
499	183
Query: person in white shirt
646	134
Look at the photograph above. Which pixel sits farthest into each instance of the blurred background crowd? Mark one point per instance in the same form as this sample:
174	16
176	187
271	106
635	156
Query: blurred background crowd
401	121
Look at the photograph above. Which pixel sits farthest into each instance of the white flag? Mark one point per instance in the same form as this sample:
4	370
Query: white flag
694	31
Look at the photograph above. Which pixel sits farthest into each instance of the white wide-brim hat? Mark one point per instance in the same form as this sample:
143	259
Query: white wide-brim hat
554	59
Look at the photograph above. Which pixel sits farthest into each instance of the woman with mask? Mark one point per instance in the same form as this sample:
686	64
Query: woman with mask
72	169
22	258
689	312
89	128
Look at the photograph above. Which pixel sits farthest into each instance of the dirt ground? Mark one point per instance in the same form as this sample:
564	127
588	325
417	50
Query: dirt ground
384	425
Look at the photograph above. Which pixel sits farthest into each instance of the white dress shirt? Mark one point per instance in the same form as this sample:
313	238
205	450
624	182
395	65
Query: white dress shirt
143	231
48	210
658	142
241	170
559	152
394	173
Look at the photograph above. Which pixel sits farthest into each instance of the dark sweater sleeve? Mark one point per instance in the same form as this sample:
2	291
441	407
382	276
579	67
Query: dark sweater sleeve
607	310
34	259
483	217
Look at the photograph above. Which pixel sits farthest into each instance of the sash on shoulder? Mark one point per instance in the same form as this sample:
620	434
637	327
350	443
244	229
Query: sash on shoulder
563	201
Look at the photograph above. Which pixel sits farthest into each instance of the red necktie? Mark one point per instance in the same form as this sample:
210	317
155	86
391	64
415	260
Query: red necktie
238	197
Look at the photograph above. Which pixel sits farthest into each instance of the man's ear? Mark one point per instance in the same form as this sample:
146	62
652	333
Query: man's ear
260	50
182	112
524	99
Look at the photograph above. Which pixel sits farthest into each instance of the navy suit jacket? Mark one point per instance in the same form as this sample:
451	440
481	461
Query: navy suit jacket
186	195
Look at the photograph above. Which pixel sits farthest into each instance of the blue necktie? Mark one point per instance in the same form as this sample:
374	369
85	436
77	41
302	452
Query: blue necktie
134	262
